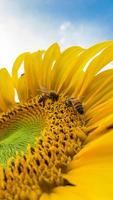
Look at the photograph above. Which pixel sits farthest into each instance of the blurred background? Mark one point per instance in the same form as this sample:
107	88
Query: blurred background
29	25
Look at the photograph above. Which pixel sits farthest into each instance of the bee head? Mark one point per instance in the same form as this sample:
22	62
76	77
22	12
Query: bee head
68	102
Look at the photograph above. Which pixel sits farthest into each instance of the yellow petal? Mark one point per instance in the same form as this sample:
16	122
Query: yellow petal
65	67
100	127
6	90
100	111
45	196
33	71
84	58
63	193
16	67
99	148
22	89
50	58
100	91
105	57
92	169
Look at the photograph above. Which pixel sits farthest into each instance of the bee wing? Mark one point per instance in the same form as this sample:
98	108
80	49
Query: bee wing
42	90
71	98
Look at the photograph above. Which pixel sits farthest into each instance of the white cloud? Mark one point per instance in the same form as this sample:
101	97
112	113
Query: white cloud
82	33
19	33
64	27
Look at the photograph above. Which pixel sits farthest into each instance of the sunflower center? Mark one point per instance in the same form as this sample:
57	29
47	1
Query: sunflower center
18	128
43	166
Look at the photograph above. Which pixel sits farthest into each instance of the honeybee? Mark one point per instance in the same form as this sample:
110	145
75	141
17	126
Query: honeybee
48	95
76	104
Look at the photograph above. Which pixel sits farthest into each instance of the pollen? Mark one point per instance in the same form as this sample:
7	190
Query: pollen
41	168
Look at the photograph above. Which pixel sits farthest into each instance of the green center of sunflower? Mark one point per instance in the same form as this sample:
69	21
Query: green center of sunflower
18	128
43	166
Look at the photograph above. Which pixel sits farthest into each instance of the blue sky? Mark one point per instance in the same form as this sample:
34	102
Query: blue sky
68	9
28	25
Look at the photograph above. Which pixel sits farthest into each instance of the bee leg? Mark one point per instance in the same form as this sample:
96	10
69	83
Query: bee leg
44	103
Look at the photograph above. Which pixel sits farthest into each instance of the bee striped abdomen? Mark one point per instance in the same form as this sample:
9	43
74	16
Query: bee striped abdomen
76	104
80	109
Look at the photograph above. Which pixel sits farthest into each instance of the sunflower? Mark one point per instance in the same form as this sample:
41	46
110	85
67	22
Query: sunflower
56	142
